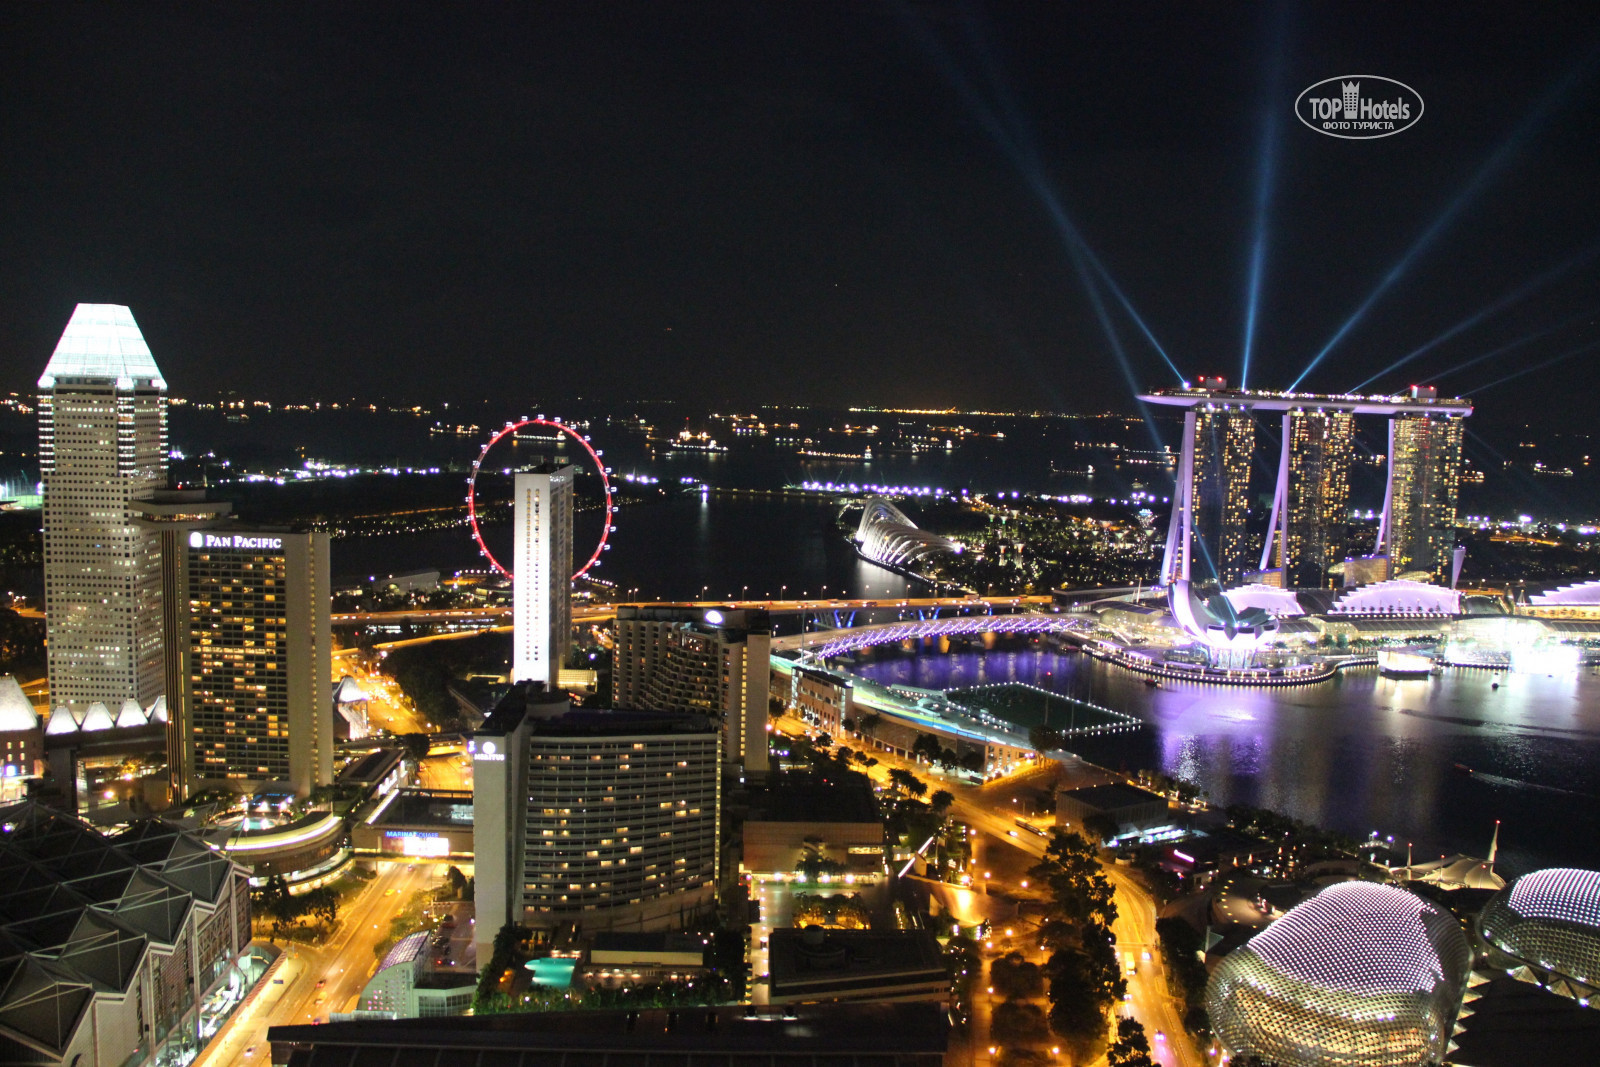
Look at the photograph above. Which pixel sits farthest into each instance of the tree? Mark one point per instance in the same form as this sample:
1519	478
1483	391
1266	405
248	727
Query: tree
1101	826
901	780
1080	892
323	903
972	761
814	861
458	882
1130	1048
926	745
1043	739
1181	947
1018	1021
941	800
917	787
848	723
869	723
1077	1016
1013	975
416	746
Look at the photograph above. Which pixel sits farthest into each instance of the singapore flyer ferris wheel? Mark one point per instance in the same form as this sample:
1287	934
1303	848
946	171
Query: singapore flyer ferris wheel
510	430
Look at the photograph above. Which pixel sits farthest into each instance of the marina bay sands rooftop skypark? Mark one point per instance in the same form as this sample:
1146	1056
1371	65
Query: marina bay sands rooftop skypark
1422	401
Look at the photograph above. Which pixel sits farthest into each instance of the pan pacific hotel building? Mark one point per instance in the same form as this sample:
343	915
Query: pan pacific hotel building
249	660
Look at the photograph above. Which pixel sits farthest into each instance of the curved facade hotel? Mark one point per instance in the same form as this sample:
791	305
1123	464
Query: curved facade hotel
1360	975
1550	920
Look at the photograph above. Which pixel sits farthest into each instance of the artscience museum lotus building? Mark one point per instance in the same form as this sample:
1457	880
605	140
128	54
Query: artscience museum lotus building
1360	975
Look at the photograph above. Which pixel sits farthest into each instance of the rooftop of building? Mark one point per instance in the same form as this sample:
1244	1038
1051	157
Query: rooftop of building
555	717
1112	796
1566	894
405	950
811	953
850	1035
1363	938
714	617
17	713
807	798
78	909
1509	1018
102	342
444	808
373	766
1422	402
1212	844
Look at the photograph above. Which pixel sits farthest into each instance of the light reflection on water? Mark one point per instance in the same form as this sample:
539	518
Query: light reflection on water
1357	754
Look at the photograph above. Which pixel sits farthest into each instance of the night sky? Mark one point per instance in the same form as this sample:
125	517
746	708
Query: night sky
854	203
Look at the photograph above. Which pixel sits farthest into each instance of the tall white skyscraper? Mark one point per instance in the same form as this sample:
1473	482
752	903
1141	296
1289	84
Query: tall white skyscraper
102	446
542	616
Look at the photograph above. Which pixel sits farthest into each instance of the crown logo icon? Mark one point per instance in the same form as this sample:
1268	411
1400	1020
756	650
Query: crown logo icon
1352	98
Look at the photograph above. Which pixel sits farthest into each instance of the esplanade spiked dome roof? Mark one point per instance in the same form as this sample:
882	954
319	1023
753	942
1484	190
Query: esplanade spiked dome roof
1563	893
102	341
1356	937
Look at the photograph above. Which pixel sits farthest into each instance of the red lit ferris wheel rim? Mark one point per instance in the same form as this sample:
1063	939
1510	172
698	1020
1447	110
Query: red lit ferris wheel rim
605	485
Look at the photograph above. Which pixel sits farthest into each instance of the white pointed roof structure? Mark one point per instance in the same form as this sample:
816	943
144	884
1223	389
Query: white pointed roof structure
16	710
102	341
131	714
349	692
98	717
158	710
61	721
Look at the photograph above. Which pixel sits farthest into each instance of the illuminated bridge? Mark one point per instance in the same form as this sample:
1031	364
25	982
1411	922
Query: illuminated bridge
887	536
824	645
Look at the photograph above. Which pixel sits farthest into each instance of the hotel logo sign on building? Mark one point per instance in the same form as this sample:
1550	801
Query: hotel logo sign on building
233	541
1359	107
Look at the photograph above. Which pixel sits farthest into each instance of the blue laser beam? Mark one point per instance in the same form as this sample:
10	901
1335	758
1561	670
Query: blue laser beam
1109	328
1486	172
1011	135
1525	339
1528	287
1568	354
1266	173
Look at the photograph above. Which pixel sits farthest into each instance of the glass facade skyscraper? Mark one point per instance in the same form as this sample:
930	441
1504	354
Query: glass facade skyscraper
1321	443
102	446
1424	482
1224	444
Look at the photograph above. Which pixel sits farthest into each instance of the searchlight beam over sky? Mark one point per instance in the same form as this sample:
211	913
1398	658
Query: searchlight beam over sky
1480	180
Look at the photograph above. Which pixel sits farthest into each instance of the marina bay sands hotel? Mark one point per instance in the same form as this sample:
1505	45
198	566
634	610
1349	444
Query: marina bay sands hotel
1308	532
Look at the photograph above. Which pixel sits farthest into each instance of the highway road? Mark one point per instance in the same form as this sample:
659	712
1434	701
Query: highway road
316	980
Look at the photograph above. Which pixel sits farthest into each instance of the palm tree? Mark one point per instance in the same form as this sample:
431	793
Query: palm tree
941	801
